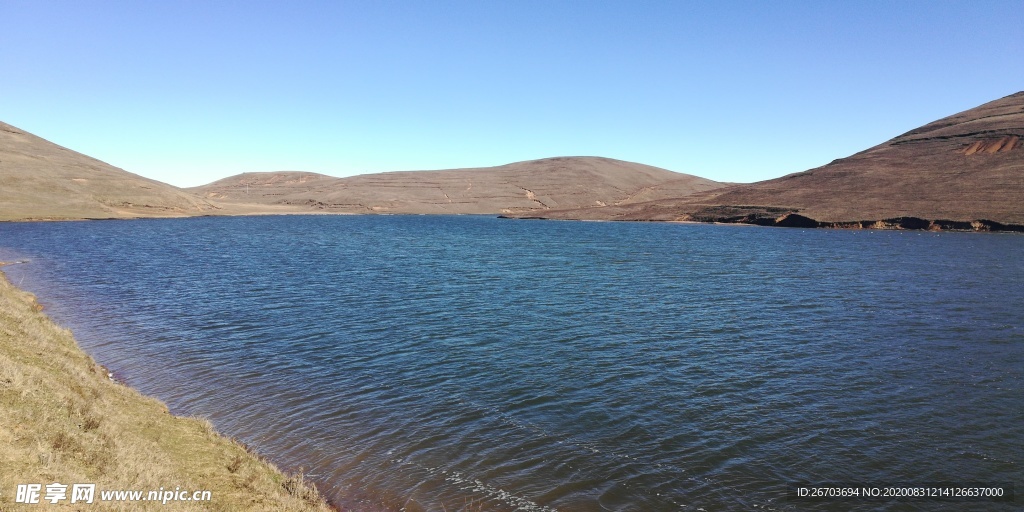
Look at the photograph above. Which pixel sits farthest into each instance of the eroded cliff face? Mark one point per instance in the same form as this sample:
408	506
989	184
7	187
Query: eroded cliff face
997	145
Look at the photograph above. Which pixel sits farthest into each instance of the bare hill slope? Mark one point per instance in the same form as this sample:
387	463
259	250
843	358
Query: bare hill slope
551	183
41	180
965	171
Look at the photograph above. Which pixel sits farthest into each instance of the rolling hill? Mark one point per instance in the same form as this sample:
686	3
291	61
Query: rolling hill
40	180
551	183
965	171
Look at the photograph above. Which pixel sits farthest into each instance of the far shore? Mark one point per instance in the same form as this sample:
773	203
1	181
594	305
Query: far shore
893	224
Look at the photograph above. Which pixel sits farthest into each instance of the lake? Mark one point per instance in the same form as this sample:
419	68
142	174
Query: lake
473	363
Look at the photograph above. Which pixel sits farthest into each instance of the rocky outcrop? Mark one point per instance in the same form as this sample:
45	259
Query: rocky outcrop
770	216
762	217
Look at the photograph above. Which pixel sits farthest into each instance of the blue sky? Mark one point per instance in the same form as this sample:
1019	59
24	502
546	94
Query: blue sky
189	92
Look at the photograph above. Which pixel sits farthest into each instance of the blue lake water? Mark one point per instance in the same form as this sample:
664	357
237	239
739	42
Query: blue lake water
473	363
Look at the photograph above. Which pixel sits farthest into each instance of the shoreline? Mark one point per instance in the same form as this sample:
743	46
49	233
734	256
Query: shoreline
791	220
68	420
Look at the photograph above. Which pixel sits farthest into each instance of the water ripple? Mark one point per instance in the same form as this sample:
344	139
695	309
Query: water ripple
466	363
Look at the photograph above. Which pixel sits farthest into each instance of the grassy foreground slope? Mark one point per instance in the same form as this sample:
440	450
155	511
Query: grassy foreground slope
63	420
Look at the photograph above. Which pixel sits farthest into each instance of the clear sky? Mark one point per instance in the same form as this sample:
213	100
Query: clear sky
188	92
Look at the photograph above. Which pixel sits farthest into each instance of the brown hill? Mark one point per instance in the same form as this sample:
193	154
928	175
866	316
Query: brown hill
261	187
551	183
965	171
41	180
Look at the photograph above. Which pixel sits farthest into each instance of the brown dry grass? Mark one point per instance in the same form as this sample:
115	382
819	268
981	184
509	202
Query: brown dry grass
63	420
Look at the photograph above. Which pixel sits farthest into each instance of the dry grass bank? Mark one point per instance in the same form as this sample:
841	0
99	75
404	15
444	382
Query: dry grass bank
63	420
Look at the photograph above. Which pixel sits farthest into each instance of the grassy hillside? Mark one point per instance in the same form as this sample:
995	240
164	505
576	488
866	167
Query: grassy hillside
40	180
534	185
964	171
65	421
